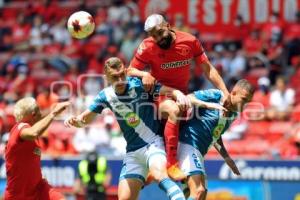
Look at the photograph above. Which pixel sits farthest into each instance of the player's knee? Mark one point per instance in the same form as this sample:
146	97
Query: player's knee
170	107
159	175
124	196
201	192
174	111
157	167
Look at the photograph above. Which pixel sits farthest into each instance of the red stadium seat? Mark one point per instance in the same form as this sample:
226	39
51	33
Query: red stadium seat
212	153
255	74
10	13
280	126
235	147
259	147
297	91
252	79
94	46
295	116
259	128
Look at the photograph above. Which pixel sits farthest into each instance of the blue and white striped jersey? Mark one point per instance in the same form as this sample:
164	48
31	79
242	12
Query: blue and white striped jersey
134	110
206	125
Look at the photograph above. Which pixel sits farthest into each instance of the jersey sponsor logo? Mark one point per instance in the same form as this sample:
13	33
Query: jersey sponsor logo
218	130
266	172
175	64
132	119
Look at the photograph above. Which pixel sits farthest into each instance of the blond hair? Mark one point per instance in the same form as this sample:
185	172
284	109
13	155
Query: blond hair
246	85
24	107
112	63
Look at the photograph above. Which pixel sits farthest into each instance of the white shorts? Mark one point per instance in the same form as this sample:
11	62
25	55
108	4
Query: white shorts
136	163
191	161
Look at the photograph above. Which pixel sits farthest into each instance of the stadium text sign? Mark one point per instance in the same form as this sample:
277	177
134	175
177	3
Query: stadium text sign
59	176
217	15
268	172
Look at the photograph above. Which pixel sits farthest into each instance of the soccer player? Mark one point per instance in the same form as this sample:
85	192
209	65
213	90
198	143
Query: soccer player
136	115
204	130
169	55
23	153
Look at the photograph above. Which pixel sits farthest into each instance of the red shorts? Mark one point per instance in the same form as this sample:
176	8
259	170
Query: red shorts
46	192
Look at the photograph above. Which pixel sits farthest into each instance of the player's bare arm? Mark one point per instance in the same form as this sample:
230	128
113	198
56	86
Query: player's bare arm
38	129
202	104
213	76
147	79
223	152
81	120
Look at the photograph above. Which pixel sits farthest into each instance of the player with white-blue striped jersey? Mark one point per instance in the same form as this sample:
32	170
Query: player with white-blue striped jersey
204	130
136	115
134	112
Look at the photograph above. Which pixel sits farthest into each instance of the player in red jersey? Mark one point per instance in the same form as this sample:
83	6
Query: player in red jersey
169	54
23	154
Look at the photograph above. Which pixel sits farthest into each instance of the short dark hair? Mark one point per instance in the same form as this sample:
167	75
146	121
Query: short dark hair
113	63
246	85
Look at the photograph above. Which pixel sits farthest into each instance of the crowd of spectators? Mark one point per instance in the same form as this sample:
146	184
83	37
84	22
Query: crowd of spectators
39	58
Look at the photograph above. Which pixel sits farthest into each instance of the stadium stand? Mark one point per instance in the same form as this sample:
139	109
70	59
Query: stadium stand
36	50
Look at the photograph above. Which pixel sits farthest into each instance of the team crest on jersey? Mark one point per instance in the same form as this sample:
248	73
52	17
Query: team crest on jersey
37	151
141	48
132	120
184	51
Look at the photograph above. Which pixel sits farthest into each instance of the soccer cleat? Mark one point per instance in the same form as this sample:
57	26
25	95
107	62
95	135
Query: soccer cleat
175	173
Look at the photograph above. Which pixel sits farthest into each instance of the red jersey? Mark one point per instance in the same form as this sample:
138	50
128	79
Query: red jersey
23	166
171	67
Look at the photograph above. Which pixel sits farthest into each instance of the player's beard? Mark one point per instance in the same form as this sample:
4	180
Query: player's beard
166	42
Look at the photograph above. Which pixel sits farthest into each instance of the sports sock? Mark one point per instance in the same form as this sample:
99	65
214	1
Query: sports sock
172	189
171	141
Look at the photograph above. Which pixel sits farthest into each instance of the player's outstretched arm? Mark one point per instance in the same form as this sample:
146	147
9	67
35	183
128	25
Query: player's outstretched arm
223	152
213	76
38	128
147	79
219	145
202	104
132	71
81	120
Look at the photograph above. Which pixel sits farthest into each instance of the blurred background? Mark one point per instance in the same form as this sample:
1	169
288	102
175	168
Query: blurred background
254	39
